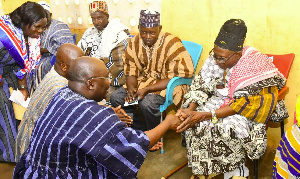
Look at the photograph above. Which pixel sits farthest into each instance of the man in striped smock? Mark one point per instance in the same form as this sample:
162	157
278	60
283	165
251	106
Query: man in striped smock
53	81
78	138
151	59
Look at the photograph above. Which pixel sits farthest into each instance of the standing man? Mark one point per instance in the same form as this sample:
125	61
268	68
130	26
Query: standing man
57	33
151	59
107	41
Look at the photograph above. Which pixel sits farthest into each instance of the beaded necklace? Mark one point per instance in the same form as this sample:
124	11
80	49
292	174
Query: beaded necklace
149	51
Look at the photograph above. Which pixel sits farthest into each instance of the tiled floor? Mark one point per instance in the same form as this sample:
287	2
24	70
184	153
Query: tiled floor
158	165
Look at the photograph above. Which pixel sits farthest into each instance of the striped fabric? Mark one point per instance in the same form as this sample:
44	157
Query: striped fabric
166	59
287	158
77	138
13	39
257	108
8	127
57	34
39	100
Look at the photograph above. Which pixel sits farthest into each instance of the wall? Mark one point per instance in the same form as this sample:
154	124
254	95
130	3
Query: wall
125	10
1	9
10	5
273	27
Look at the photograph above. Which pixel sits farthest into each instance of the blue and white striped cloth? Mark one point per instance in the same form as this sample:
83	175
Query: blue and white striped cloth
77	138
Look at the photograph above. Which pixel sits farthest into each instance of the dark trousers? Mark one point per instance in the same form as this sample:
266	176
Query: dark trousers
146	114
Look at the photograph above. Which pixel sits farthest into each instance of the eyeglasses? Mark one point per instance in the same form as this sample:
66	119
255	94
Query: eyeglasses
109	78
220	59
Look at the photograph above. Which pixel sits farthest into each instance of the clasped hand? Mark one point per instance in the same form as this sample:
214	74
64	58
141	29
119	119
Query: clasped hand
188	119
124	117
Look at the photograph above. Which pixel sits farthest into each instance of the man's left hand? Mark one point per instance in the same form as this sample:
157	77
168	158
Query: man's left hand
124	117
141	93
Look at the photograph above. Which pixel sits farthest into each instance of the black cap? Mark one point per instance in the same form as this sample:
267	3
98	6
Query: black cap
232	35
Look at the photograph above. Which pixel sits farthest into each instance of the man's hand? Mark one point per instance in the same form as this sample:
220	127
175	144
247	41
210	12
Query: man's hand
181	112
131	95
25	93
123	115
190	119
174	121
141	93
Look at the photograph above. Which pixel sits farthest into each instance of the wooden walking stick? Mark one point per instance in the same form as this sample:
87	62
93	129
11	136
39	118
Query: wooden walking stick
175	170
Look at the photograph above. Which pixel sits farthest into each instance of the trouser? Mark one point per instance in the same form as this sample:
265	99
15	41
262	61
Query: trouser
146	114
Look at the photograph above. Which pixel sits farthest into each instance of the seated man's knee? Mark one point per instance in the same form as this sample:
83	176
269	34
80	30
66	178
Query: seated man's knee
150	103
117	98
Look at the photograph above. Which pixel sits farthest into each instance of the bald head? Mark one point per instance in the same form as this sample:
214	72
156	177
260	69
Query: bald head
87	76
65	55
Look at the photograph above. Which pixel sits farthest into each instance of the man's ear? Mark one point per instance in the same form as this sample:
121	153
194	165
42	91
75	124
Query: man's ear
90	84
63	66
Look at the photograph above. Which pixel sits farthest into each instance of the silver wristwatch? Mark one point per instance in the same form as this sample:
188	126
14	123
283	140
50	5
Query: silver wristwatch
22	87
214	118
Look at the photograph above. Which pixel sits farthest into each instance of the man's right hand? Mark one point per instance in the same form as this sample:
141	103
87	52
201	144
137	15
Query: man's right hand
131	95
132	85
174	121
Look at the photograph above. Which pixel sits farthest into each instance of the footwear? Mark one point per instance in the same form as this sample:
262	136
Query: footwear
156	147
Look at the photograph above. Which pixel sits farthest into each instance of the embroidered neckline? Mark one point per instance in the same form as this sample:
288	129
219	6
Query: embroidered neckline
149	51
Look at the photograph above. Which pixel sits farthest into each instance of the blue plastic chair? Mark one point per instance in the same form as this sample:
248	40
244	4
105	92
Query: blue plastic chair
195	51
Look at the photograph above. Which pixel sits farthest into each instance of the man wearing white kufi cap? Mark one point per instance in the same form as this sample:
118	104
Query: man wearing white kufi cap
57	33
107	40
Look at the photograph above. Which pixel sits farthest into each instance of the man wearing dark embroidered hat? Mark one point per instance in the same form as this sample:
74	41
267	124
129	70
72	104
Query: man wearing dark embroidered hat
228	104
107	41
151	59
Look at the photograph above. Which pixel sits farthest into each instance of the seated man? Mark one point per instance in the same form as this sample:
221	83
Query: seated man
151	59
57	33
78	138
228	104
53	81
107	41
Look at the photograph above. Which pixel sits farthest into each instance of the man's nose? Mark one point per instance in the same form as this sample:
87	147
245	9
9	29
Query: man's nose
98	21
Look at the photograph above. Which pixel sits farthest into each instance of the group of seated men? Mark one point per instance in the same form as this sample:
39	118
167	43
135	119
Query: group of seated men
65	132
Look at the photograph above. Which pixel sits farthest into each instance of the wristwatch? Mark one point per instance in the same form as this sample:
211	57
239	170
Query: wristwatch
214	118
22	87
